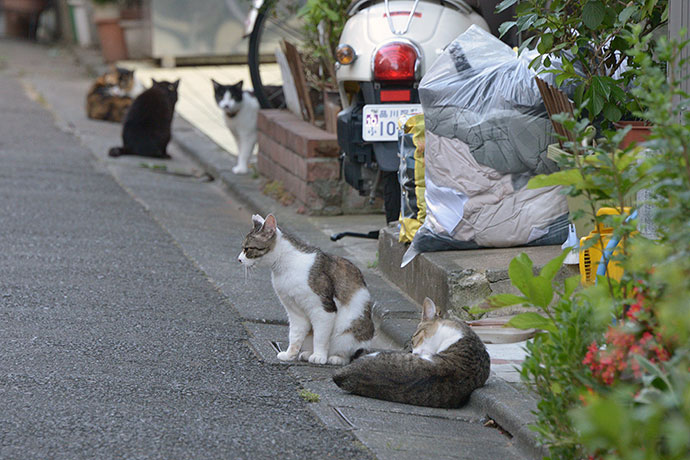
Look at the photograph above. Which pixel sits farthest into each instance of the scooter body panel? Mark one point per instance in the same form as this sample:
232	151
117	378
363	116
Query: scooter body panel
432	28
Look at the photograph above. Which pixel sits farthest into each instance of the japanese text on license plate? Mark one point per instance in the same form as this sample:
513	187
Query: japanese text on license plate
381	120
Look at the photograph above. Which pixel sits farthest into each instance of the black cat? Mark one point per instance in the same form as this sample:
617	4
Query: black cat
146	131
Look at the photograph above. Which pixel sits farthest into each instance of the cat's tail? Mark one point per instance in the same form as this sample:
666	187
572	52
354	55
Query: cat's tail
118	151
404	377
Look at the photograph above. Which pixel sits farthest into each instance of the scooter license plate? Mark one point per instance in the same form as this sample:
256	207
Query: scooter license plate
381	120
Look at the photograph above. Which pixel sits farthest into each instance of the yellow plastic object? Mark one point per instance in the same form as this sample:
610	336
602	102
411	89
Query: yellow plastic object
409	224
590	257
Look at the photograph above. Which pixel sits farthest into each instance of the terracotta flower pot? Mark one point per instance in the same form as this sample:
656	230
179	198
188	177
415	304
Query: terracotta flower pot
112	39
639	132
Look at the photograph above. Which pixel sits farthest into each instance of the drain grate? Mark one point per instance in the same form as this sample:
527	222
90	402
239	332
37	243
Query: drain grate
343	418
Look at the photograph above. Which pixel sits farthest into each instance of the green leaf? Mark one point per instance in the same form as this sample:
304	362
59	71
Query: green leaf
531	320
505	27
549	270
556	388
565	177
540	291
504	5
612	112
506	300
571	283
525	22
560	78
579	96
593	14
600	87
595	105
649	366
627	13
545	43
520	272
604	419
332	15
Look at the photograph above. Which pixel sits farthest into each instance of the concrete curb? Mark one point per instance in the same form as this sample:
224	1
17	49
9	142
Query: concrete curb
509	406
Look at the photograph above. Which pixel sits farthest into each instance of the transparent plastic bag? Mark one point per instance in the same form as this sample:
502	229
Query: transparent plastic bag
487	133
481	92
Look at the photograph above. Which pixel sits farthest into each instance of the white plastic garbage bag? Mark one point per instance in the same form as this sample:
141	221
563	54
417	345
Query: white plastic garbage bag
487	132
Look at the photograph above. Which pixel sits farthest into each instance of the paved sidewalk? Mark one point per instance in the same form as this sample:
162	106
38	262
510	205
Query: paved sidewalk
507	403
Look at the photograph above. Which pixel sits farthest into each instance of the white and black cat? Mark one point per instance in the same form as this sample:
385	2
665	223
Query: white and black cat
322	293
448	361
147	128
240	109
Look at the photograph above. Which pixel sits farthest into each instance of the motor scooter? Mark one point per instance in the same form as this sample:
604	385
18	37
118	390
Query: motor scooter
385	48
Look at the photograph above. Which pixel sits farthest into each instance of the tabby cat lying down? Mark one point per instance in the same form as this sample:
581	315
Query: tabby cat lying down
448	361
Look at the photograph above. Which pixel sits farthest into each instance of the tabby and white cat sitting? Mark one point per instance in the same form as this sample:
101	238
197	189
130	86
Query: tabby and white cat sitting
448	362
322	293
240	109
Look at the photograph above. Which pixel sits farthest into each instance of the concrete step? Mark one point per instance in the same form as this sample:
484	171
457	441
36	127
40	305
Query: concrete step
456	280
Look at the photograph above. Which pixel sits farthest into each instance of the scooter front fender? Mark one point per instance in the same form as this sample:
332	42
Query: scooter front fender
432	28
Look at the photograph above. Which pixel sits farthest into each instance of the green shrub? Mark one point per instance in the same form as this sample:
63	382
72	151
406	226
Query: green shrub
612	368
586	37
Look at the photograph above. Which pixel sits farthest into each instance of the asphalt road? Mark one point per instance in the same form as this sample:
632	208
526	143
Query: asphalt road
113	344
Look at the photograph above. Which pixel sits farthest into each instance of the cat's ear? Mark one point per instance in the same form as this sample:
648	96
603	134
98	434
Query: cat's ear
429	310
258	221
176	83
153	82
270	224
216	85
239	85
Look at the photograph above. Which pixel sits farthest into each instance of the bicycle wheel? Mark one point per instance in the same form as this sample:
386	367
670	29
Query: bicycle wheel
277	20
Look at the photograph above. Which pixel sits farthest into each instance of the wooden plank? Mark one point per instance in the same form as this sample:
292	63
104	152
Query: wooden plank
289	87
297	69
556	102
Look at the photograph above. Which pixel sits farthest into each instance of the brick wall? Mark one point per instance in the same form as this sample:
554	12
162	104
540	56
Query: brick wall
304	159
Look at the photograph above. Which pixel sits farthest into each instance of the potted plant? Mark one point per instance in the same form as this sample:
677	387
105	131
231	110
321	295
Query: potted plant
581	42
106	16
323	24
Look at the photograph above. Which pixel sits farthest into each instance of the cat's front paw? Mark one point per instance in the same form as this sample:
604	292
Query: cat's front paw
240	169
285	356
316	358
337	360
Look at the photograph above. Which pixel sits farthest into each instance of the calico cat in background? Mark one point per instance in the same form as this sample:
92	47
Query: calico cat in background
240	109
448	361
111	95
322	293
147	128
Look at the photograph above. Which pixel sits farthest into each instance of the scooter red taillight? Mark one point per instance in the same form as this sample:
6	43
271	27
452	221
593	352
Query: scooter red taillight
395	62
